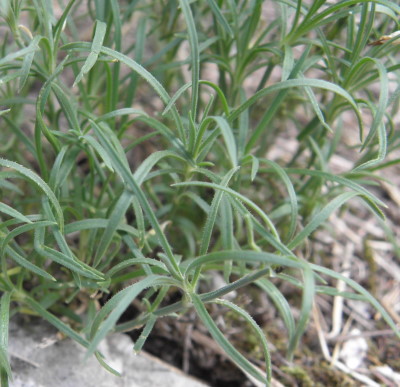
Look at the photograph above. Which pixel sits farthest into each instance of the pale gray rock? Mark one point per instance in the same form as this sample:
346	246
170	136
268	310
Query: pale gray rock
39	359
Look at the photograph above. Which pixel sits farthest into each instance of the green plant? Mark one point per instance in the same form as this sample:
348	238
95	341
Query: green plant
99	197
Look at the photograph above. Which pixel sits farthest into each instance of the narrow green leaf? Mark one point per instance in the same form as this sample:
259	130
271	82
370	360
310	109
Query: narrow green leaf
227	134
194	54
281	303
61	23
121	112
95	223
361	290
146	166
255	164
115	218
305	311
74	265
175	97
108	316
6	209
155	84
257	330
238	359
27	62
120	166
4	321
5	368
17	54
62	327
136	261
68	107
226	225
237	195
22	229
245	256
291	192
347	182
145	333
212	215
321	217
285	85
41	184
220	18
20	260
100	31
99	149
56	322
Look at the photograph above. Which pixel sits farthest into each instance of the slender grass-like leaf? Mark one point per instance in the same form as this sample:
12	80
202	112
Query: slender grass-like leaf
91	224
229	349
118	47
383	146
6	209
194	54
99	149
318	112
53	320
97	43
383	96
291	192
317	83
176	96
112	310
220	18
281	303
23	262
237	195
5	368
62	327
338	179
22	229
229	139
357	287
307	301
115	217
145	333
138	55
64	260
2	112
220	94
146	166
321	217
67	106
18	54
257	330
61	23
244	256
4	322
122	169
121	112
212	214
255	164
227	233
27	62
41	184
288	63
156	85
136	261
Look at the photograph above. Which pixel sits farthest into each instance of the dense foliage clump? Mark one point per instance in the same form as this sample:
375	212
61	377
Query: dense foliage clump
146	146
